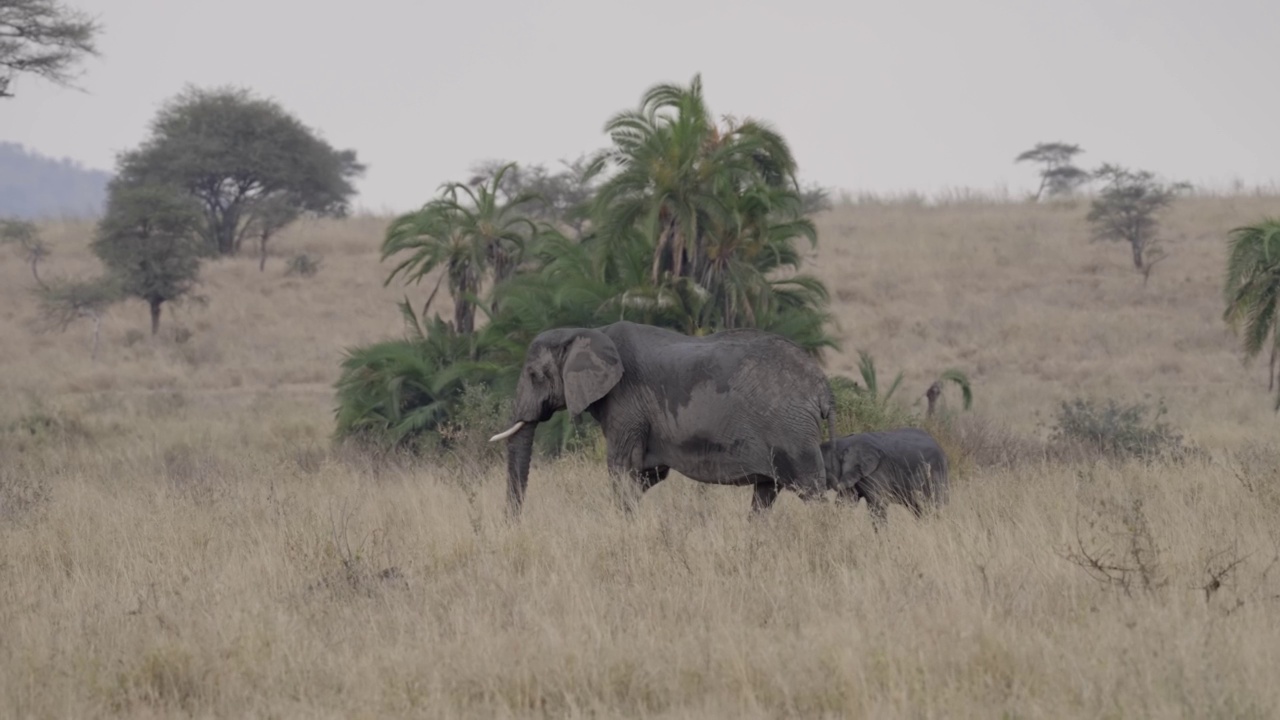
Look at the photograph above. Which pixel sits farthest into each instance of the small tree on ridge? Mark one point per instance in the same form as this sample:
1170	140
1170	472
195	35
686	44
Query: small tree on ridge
1126	210
1058	177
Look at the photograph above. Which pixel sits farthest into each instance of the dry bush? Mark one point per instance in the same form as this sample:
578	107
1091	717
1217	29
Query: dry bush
975	443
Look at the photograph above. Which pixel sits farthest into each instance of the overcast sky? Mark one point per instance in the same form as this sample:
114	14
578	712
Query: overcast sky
885	96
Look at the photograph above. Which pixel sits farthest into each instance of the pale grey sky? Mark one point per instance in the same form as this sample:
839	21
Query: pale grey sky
884	96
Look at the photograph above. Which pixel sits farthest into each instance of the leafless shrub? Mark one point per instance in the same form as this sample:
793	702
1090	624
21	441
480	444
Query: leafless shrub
977	442
1219	567
1117	547
1257	467
355	571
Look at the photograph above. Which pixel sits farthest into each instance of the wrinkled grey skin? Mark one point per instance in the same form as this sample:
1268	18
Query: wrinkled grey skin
741	407
905	466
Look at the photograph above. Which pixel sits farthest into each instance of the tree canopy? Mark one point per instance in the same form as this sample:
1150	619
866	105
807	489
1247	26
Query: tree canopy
149	243
1125	211
43	38
252	166
1251	289
1058	176
469	232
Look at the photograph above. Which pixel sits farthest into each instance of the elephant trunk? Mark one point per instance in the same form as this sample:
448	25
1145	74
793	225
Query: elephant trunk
519	450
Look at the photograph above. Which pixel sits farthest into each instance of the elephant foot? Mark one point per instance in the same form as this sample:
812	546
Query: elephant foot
762	499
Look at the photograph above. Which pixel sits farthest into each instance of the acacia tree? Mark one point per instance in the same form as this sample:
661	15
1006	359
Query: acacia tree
1252	290
63	301
149	241
1058	176
43	38
1125	210
26	236
252	166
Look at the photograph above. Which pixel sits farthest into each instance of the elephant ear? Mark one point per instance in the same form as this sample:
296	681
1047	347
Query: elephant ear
591	368
857	461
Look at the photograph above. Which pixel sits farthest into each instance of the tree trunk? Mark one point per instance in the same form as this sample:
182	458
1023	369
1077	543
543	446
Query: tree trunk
155	316
464	313
35	272
262	252
932	395
1137	254
97	325
1271	371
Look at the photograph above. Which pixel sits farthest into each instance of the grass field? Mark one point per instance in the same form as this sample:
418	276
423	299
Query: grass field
178	537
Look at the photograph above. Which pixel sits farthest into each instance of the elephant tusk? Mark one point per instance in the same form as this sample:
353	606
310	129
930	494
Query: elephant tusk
507	433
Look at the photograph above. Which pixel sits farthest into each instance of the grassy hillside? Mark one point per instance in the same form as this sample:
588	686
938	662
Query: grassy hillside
177	536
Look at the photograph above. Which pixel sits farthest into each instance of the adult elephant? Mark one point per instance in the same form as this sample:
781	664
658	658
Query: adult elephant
905	466
740	407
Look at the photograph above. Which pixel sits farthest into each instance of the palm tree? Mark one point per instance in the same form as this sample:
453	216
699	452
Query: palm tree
1252	289
675	169
717	209
756	239
471	233
935	390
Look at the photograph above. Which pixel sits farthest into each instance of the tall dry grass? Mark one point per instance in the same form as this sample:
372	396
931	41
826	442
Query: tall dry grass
177	537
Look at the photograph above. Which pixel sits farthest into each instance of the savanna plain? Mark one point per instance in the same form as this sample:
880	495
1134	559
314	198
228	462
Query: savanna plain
179	537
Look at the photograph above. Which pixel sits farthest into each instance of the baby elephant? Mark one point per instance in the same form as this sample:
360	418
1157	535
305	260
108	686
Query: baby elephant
905	465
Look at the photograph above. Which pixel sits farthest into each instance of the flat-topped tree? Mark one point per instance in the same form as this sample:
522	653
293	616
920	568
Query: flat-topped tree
1058	176
253	166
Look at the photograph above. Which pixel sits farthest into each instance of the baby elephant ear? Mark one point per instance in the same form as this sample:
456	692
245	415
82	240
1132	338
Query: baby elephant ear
591	368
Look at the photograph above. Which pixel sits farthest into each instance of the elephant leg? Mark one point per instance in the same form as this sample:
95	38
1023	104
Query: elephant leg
875	502
879	513
652	476
627	479
766	491
908	496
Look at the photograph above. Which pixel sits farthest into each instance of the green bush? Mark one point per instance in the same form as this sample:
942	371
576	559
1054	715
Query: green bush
861	410
398	394
1114	430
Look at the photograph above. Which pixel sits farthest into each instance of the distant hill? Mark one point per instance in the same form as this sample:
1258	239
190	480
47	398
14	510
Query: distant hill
35	186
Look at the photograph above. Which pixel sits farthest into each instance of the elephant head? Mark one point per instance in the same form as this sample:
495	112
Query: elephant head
565	368
847	462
